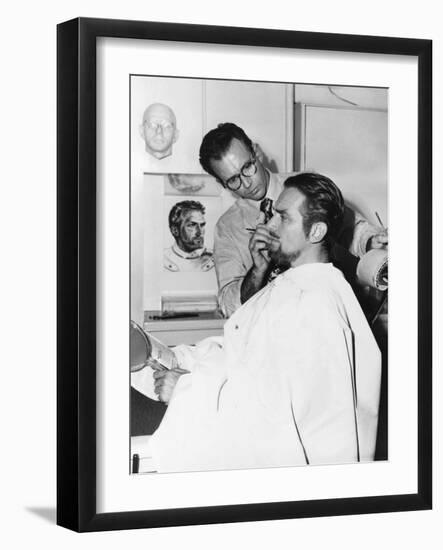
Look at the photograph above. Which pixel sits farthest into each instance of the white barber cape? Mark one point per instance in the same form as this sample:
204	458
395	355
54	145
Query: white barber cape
295	380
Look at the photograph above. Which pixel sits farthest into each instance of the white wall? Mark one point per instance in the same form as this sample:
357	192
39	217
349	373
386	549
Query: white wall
342	132
185	97
28	274
262	109
339	96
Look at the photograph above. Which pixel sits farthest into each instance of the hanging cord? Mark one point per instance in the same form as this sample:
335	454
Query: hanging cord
341	98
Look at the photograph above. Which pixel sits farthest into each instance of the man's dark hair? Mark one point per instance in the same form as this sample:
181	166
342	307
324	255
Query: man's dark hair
217	141
180	209
323	202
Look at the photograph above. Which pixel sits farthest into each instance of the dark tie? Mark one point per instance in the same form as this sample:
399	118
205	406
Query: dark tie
266	208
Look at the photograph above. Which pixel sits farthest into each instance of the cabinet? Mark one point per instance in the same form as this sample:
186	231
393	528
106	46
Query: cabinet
349	145
183	331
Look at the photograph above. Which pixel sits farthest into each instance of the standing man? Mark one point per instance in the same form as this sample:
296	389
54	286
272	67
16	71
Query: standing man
242	263
187	224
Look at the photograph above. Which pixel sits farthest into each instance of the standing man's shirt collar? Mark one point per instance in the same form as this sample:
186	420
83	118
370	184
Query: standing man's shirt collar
274	187
274	190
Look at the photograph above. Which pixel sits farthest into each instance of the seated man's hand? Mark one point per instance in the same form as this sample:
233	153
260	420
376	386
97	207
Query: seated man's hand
261	243
378	241
165	381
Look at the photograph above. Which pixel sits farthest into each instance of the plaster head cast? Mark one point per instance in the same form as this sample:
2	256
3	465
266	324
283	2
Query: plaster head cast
159	130
229	155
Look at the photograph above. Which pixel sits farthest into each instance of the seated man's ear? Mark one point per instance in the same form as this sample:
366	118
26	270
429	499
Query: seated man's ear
141	130
176	135
318	232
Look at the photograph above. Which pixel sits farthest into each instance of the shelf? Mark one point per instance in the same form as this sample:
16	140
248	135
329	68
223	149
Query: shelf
187	330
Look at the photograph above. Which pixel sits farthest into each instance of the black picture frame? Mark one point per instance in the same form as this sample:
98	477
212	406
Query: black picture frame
76	279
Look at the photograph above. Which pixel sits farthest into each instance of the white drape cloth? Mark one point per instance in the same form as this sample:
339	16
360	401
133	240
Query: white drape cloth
295	380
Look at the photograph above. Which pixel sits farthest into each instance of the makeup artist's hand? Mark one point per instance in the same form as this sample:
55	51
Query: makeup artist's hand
263	241
378	241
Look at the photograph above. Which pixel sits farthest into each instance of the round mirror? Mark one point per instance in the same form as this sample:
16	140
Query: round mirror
140	347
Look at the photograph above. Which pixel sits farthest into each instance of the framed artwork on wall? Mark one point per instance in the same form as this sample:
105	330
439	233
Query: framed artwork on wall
119	197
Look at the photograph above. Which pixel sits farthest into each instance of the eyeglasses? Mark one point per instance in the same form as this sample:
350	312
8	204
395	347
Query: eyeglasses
154	126
248	170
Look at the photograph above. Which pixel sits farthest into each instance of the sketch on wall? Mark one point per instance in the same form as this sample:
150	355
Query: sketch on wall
187	224
192	184
178	239
188	241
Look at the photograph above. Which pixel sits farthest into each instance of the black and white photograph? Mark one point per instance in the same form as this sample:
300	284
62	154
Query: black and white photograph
222	259
259	238
245	220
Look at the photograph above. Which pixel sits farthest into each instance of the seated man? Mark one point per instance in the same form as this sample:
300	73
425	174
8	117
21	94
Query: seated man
296	378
